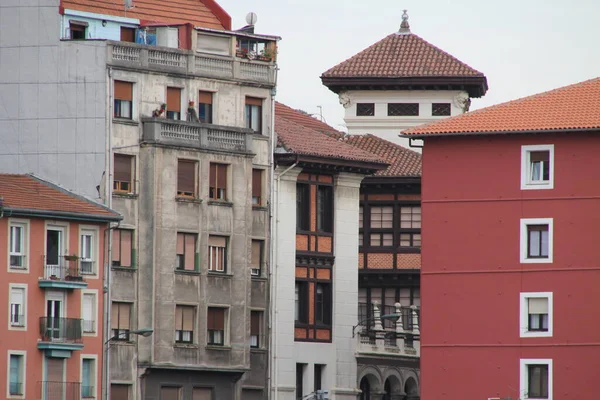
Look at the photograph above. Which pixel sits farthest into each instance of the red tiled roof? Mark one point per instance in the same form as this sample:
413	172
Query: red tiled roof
28	192
574	107
402	161
283	111
402	55
201	13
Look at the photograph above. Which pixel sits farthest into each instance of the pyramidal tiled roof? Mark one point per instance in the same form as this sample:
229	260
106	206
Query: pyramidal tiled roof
573	107
283	111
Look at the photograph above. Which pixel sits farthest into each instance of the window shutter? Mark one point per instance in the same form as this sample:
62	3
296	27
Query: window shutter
202	394
16	296
188	318
119	392
178	318
256	183
254	101
255	323
122	168
123	90
539	156
219	241
124	309
186	176
220	318
180	243
210	319
222	176
127	34
126	246
190	252
205	97
114	316
538	306
256	247
213	175
55	369
116	245
173	99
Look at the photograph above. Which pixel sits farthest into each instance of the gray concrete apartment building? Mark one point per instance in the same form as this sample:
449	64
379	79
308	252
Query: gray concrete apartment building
189	257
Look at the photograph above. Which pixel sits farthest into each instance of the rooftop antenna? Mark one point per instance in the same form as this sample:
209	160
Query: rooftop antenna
404	26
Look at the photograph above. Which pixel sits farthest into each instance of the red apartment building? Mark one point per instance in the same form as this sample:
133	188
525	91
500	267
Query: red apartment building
52	244
510	250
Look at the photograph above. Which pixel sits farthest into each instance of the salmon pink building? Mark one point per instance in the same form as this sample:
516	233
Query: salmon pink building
510	251
52	252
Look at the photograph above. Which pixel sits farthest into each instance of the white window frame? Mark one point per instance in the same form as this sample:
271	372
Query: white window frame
525	222
225	251
90	292
523	376
24	224
526	183
92	231
23	373
23	287
94	381
524	314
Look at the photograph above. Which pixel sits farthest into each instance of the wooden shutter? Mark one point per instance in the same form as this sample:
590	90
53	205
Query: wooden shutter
205	97
55	369
256	183
173	99
202	394
216	319
256	247
180	243
123	90
169	393
254	101
190	251
219	241
124	310
126	247
127	34
255	322
178	317
213	175
210	318
188	318
186	176
122	168
116	245
539	156
222	176
119	392
114	316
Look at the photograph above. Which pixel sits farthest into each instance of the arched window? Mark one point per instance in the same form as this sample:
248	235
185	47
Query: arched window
365	387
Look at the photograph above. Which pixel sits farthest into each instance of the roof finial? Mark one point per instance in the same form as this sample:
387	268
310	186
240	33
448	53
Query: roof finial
404	26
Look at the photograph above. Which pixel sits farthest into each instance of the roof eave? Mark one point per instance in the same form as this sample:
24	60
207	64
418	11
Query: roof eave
29	212
367	167
523	132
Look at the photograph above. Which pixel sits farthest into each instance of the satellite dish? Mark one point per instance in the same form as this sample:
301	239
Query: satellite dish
128	4
251	18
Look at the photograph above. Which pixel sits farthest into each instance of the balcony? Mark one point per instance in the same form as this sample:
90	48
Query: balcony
197	135
388	336
166	60
50	390
60	336
62	273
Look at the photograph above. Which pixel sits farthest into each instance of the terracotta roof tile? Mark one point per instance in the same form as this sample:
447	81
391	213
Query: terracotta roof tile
402	55
31	193
283	111
201	13
574	107
402	161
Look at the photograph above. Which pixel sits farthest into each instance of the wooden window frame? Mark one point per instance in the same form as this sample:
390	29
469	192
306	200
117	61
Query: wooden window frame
181	192
173	111
302	302
123	184
217	190
324	318
78	26
325	208
123	96
368	232
303	207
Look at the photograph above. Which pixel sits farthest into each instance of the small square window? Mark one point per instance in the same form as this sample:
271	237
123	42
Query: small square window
536	379
536	314
536	240
403	109
365	109
440	109
537	167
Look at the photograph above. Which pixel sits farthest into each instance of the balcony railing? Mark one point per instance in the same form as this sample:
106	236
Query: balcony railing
163	59
61	268
51	390
15	388
64	330
198	135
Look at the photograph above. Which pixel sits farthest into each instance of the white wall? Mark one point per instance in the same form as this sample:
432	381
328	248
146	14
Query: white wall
95	30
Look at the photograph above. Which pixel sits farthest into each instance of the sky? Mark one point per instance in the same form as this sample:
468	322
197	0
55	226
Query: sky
523	47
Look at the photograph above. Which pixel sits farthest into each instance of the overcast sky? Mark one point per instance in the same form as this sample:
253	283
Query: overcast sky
522	46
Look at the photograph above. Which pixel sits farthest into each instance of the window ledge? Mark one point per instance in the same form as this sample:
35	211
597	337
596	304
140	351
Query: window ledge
125	121
125	195
217	347
185	346
260	136
257	350
220	274
221	203
193	200
259	278
18	269
260	208
118	268
121	343
187	272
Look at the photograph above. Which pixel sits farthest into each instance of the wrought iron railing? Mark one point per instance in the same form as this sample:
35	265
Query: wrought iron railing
62	269
56	390
60	329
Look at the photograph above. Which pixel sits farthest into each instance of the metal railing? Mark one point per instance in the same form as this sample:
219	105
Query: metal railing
53	390
61	269
15	388
60	329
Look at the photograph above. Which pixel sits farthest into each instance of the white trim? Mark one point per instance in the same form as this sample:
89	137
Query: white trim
524	314
526	184
93	292
524	362
523	240
93	231
22	286
94	382
24	223
22	353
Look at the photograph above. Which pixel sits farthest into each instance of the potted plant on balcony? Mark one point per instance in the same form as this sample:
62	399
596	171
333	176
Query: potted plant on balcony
268	54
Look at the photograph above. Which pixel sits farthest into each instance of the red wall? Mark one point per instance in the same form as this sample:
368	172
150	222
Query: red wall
472	277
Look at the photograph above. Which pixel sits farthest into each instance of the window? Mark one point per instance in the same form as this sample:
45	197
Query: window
403	109
318	376
86	259
122	248
381	239
123	174
217	253
89	312
254	114
216	326
218	181
302	207
88	375
173	103
186	251
257	187
440	109
202	394
127	34
18	295
257	257
382	217
323	304
120	320
119	392
186	178
536	240
256	329
170	393
78	30
299	381
365	109
536	378
16	374
536	314
325	208
205	110
184	324
537	167
123	99
301	302
410	226
18	234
